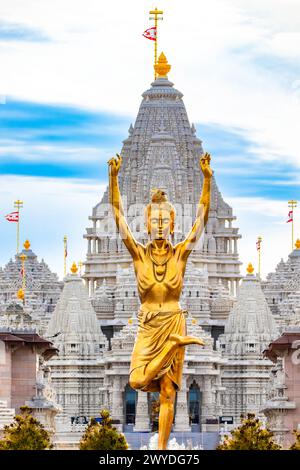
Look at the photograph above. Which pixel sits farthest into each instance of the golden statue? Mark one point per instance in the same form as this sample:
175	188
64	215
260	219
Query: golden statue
158	354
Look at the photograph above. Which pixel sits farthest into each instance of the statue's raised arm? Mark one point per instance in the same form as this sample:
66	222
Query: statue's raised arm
117	205
187	245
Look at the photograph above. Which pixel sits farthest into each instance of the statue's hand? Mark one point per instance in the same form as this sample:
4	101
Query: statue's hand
115	164
205	165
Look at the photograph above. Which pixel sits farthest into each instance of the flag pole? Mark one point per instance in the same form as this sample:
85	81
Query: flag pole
156	13
259	240
80	264
21	292
18	205
65	255
23	258
292	204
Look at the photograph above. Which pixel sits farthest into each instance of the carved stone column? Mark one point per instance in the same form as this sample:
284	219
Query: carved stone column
207	411
117	402
142	418
182	412
231	283
92	287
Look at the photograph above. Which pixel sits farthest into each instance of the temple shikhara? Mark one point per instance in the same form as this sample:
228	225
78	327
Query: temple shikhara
74	338
42	293
162	151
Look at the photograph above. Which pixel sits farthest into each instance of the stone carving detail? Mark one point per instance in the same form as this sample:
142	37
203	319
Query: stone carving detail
78	370
248	331
282	291
43	290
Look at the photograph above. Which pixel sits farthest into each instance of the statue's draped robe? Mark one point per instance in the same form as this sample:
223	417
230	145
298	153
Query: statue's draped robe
155	327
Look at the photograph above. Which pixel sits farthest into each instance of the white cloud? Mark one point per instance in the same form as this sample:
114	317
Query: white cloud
52	208
55	207
266	218
99	59
52	153
286	45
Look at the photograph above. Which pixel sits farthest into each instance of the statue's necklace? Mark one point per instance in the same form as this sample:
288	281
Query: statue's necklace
159	267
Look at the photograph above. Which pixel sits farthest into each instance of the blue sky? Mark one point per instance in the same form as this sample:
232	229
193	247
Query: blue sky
19	32
68	101
57	141
47	140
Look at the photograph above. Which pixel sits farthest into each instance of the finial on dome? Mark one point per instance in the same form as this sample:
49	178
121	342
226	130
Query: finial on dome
27	244
297	244
74	268
250	268
162	67
21	294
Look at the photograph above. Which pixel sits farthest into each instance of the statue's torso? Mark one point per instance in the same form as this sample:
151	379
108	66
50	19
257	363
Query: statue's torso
159	287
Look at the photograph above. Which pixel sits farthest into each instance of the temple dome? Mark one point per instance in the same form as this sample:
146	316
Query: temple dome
250	326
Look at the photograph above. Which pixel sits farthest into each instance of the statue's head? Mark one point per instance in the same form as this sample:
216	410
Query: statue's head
160	216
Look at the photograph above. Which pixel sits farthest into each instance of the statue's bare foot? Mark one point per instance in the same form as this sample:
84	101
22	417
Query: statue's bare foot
186	340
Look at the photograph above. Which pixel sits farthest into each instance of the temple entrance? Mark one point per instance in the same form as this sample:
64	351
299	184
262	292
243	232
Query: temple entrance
194	406
130	407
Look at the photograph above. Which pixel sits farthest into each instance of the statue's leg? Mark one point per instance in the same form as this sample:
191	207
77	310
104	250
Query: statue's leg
142	376
186	340
166	411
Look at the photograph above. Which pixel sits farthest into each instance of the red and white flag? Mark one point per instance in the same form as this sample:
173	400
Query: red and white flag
150	33
290	217
258	245
12	217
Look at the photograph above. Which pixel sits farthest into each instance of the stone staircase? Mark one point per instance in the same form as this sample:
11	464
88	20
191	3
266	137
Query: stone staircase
6	414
